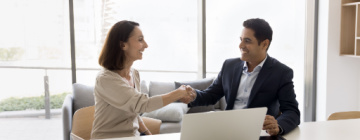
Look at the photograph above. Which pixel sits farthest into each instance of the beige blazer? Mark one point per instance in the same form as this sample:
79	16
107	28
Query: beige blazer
117	105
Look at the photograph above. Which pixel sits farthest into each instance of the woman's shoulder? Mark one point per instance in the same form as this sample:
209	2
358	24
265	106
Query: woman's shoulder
105	73
135	72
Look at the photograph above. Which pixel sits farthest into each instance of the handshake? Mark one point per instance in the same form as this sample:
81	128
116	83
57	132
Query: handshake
188	94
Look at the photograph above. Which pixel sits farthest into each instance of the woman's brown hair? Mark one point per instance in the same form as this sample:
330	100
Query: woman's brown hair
112	55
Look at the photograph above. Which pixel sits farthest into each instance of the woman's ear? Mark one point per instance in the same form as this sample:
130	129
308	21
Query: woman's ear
122	45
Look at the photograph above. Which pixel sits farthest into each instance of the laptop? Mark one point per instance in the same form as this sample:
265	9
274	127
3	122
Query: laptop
243	124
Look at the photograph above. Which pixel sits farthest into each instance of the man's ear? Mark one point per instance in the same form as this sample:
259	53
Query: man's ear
265	44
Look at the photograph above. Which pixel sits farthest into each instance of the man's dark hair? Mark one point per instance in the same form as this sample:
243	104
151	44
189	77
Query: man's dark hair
261	28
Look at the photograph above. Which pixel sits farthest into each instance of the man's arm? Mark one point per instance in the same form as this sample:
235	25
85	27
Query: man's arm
290	117
214	92
211	95
201	98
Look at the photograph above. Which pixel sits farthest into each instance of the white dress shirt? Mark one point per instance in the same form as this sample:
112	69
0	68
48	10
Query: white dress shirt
246	84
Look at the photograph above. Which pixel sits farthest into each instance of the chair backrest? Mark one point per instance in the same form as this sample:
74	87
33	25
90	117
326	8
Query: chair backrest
83	96
344	115
82	123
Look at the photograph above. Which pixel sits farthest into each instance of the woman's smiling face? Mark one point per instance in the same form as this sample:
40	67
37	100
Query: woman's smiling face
135	45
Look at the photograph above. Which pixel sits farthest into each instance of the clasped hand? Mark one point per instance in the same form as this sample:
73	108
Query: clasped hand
189	95
271	125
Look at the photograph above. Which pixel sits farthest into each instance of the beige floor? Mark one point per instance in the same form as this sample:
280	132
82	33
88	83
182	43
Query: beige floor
31	128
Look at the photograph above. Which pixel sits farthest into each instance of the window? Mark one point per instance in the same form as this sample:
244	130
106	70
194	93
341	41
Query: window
34	43
35	39
169	27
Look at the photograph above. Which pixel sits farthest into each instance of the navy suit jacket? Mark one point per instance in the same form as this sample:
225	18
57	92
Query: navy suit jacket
273	89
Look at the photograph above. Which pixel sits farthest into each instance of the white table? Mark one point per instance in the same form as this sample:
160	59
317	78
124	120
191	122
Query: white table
325	130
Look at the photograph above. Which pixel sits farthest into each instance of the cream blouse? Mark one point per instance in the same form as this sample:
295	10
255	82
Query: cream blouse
117	105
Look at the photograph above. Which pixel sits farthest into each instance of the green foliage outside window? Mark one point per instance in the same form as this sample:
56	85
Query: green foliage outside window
31	103
13	53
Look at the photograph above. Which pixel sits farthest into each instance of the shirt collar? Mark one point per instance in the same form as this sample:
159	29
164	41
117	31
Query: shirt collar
245	67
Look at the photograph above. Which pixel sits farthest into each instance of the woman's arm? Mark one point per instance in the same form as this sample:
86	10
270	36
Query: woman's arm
118	94
181	92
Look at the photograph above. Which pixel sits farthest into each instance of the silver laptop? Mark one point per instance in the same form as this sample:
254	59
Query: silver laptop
243	124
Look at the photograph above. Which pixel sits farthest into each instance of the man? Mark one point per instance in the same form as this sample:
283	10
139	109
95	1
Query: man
255	80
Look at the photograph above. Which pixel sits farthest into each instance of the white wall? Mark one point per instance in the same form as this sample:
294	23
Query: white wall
359	91
338	76
322	60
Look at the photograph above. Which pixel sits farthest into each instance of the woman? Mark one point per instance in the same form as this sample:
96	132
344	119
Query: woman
118	100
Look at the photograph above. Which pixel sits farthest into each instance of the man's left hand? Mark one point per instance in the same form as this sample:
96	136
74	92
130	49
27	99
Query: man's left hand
270	125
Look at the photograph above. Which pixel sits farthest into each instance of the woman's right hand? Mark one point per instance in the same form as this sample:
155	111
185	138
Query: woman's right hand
184	93
188	94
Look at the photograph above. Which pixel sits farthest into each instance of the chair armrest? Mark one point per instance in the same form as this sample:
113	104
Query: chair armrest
67	114
222	103
152	124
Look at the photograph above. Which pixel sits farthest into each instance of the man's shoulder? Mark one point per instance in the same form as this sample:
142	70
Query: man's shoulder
277	64
233	60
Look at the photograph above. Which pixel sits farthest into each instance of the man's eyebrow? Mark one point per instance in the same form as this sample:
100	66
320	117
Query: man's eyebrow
247	38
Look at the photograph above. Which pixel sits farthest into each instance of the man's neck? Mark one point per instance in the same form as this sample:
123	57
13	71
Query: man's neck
253	64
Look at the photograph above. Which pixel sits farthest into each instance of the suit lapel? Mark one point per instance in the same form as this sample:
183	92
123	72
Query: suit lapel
264	73
235	84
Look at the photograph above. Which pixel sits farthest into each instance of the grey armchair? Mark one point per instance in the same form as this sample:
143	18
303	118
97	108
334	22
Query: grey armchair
82	97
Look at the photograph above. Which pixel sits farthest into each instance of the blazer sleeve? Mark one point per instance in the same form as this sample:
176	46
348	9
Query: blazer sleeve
120	95
290	117
212	94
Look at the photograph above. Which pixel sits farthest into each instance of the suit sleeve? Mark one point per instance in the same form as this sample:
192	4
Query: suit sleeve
212	94
290	117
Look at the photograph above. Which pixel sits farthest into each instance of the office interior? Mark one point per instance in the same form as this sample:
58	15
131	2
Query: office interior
326	80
